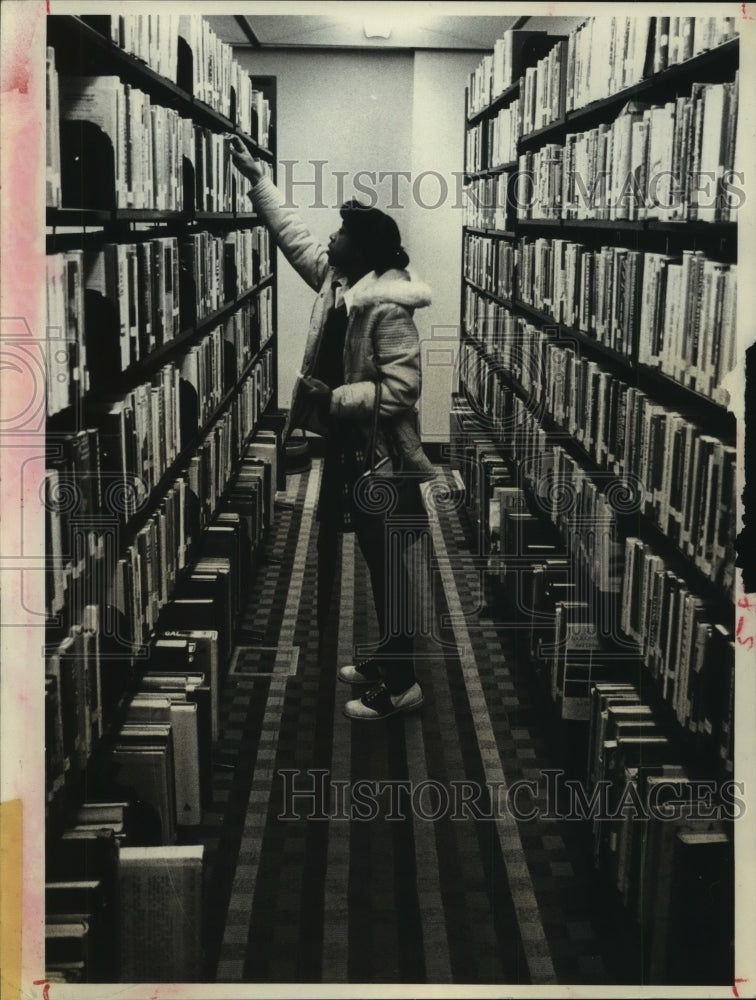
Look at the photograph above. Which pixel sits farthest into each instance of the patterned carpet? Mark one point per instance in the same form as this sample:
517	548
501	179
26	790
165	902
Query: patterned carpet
299	892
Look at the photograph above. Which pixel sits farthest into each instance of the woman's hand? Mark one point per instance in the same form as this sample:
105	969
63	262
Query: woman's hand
318	395
314	387
247	164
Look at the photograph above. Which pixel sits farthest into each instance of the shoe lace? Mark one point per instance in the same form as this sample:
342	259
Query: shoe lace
374	692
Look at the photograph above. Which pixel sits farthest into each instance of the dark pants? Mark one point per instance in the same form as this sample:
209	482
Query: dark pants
389	521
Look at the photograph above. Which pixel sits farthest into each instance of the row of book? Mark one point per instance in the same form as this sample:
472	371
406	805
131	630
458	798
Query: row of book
602	56
146	141
183	574
607	54
119	909
676	314
128	293
512	54
543	90
216	270
563	637
491	264
156	929
123	900
218	80
531	577
582	513
529	512
260	128
96	480
494	143
684	478
666	851
73	690
142	433
82	706
666	467
206	477
134	291
162	750
81	557
67	375
216	74
218	186
691	655
504	132
141	296
534	579
679	477
151	38
676	161
486	202
539	575
475	158
151	147
248	329
111	466
137	609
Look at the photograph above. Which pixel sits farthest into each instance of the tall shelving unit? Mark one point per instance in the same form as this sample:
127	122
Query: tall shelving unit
633	519
138	493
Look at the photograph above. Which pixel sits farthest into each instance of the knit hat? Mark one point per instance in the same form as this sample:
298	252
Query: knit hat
375	234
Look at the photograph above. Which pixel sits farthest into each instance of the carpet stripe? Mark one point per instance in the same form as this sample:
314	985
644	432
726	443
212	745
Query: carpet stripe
284	659
435	946
336	913
232	958
533	935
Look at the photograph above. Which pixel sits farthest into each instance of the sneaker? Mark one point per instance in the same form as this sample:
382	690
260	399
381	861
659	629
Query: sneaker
378	703
364	672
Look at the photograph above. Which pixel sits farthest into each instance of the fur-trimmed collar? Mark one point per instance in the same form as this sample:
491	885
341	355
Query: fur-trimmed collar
396	286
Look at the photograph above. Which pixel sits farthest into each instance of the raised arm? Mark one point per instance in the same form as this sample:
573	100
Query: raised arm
306	254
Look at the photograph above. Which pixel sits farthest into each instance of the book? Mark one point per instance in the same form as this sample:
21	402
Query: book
193	688
199	651
174	709
67	943
143	756
78	904
99	102
160	902
603	695
698	931
205	613
53	194
574	632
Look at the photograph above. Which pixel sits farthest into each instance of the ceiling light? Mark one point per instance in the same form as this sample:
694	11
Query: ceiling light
377	27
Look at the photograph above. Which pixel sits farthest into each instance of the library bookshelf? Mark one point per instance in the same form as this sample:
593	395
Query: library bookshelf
593	430
163	440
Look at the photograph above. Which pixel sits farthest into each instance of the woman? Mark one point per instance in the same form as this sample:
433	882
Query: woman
361	336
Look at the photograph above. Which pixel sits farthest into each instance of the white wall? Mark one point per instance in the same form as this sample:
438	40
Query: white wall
351	110
387	112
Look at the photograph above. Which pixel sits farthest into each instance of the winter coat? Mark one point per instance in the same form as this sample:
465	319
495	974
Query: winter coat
381	338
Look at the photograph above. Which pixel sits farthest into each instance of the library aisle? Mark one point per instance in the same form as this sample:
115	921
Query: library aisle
412	900
562	809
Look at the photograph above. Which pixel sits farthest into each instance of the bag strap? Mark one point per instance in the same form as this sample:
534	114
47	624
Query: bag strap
370	453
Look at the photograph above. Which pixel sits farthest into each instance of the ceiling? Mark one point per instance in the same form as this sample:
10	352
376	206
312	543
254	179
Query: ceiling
353	25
